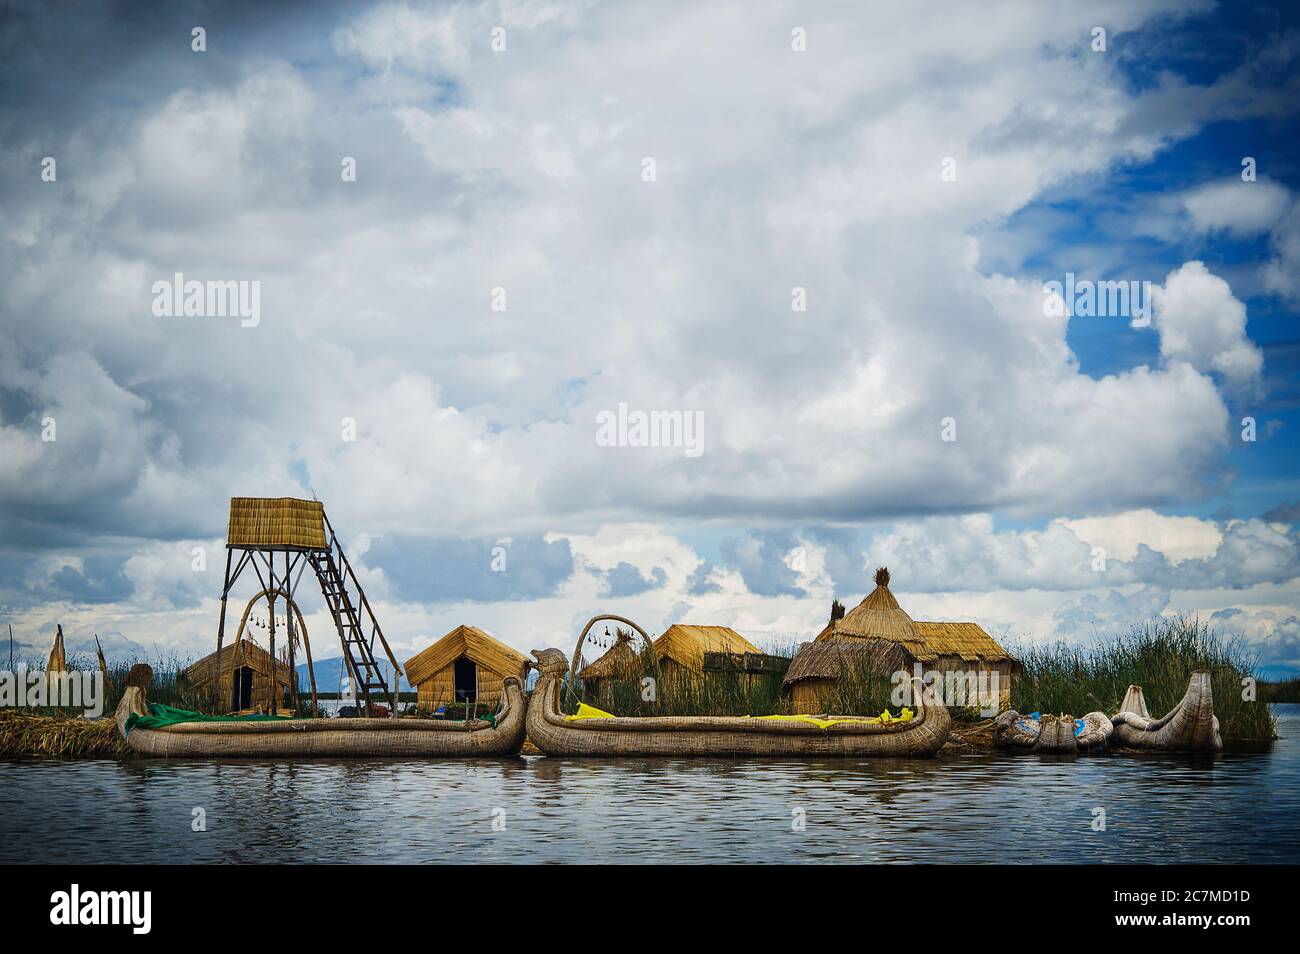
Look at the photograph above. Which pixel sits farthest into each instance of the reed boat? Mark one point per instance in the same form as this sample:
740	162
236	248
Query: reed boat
688	736
1190	726
1061	735
269	737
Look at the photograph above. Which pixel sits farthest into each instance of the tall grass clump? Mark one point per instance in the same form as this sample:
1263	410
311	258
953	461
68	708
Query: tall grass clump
1159	656
168	685
863	685
679	693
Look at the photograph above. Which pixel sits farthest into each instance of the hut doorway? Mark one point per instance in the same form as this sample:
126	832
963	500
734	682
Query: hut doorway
241	688
465	673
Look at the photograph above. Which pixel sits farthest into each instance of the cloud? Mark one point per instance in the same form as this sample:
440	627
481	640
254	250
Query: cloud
466	185
1282	274
1202	323
522	171
1236	207
1120	535
1112	612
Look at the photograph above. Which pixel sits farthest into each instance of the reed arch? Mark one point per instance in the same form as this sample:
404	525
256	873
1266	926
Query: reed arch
271	596
577	652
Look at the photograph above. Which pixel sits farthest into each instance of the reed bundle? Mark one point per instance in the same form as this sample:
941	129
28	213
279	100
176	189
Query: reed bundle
24	734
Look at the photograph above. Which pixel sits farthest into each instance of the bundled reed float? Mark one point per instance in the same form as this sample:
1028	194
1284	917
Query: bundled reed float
1061	735
1189	727
687	736
154	731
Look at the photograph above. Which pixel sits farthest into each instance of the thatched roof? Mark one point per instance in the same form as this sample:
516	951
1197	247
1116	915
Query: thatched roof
250	654
276	522
877	617
620	660
835	658
472	643
686	645
968	641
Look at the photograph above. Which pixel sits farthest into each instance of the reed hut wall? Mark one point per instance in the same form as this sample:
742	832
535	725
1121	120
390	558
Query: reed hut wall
252	658
433	672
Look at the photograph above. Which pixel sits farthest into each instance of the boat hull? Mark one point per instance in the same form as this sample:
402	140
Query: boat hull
707	736
330	738
1190	726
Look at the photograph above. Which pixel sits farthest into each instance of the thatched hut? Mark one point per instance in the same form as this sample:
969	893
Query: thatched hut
620	661
245	681
465	666
818	667
960	654
681	648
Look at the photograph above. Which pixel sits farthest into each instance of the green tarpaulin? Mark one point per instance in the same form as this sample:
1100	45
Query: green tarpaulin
160	716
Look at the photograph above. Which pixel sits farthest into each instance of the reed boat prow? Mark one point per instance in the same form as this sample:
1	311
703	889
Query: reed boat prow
702	736
1190	726
1135	702
328	738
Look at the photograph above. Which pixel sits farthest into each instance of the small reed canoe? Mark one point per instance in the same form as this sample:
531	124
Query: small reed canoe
1190	726
323	738
703	736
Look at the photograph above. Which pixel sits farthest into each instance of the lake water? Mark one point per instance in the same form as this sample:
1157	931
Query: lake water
955	808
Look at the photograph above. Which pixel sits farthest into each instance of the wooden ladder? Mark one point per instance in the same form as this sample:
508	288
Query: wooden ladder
336	580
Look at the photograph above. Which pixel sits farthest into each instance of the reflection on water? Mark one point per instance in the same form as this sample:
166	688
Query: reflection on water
961	808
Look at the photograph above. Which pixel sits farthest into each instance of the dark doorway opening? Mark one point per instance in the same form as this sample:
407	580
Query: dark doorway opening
241	689
466	676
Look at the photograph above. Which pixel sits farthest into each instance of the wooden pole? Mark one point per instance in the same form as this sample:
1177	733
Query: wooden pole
270	602
288	619
311	672
221	632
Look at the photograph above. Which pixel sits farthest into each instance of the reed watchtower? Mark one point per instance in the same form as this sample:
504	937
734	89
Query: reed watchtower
279	537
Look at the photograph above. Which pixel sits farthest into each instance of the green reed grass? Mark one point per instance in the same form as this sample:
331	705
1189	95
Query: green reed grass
1159	656
713	693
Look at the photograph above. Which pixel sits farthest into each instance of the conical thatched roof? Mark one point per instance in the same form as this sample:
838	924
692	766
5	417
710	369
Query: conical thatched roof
877	617
620	660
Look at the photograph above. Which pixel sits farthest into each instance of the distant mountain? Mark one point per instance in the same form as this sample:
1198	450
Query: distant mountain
329	675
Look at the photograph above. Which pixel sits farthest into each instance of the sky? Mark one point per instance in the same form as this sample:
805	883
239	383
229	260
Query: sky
834	240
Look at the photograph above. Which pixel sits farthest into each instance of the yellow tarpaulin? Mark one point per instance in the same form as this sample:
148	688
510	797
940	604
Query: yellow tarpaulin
883	719
589	712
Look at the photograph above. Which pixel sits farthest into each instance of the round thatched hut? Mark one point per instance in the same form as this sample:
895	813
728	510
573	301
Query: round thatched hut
820	669
966	661
620	661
